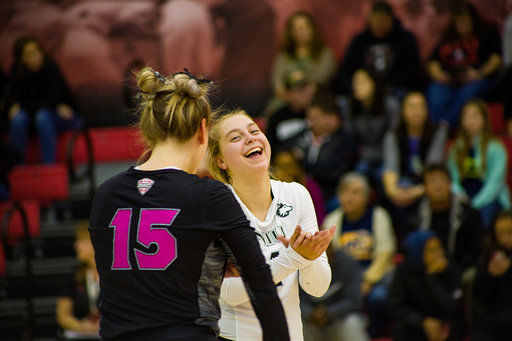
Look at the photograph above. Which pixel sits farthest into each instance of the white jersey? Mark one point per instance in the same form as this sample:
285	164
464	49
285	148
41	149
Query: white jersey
291	206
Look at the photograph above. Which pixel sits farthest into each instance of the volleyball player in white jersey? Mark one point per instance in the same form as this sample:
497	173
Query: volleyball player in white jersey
239	155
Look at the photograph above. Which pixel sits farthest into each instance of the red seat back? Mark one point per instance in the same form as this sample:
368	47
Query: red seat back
116	144
79	149
39	182
497	118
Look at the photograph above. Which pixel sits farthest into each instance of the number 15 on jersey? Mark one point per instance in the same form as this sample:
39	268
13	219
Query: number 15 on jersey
152	228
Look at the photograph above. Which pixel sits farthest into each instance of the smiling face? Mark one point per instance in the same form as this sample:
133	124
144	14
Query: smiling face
244	149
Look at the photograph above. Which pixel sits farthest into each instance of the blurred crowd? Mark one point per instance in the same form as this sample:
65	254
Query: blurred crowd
399	155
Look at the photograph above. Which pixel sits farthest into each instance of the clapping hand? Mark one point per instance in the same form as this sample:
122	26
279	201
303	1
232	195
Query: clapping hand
309	246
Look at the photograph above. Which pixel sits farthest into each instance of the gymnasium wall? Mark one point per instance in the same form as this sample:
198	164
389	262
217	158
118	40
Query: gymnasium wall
233	42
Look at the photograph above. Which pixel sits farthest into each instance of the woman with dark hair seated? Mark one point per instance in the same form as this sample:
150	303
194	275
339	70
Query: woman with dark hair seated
464	65
41	98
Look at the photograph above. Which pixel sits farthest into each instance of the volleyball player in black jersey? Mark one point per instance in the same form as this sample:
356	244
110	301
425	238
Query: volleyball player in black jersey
159	232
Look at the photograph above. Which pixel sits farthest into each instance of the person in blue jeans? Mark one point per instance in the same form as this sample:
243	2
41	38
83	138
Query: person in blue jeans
463	66
478	163
42	100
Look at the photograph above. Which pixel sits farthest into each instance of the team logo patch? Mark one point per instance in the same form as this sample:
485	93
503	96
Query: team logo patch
144	185
283	210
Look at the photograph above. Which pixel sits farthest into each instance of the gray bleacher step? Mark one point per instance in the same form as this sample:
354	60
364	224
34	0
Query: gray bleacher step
42	267
18	307
59	229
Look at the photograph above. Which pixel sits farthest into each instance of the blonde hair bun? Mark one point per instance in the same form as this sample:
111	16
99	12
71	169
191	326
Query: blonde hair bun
150	82
189	86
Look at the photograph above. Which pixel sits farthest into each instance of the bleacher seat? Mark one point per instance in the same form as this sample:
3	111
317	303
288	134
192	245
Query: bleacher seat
45	183
497	118
79	148
116	144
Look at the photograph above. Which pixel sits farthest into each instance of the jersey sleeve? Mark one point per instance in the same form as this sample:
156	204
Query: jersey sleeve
233	228
233	292
316	277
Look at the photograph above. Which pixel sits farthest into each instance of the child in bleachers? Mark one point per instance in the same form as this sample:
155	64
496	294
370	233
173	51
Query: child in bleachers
365	232
464	65
41	99
425	293
493	294
77	308
478	163
368	114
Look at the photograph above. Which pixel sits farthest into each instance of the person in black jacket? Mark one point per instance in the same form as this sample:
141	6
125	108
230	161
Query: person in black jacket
492	291
325	148
336	316
387	48
458	225
41	98
425	293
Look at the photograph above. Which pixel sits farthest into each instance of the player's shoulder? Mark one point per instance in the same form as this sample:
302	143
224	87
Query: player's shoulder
111	183
288	189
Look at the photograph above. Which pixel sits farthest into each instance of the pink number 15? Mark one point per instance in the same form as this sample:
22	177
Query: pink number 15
147	234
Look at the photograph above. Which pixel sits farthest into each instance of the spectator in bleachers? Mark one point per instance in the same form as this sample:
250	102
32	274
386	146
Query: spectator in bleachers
478	163
4	101
325	148
9	157
425	294
41	99
291	118
286	167
77	307
464	64
457	225
506	82
302	48
386	48
337	315
415	143
493	294
368	114
364	231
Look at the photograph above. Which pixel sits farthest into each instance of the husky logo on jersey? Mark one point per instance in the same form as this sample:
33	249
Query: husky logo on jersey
283	210
144	185
269	238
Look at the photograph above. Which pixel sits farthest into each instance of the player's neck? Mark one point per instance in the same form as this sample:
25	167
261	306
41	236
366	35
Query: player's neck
172	154
255	194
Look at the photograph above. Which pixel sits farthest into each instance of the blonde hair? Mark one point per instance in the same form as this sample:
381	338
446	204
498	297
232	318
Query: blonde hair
171	106
214	144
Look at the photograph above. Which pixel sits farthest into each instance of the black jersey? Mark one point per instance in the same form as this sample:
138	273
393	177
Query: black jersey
160	239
